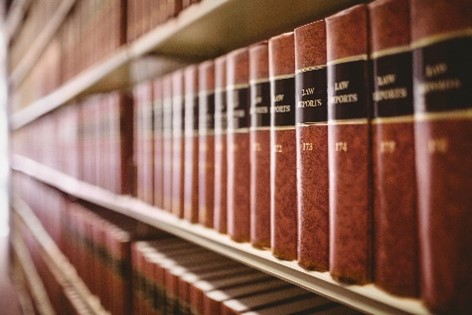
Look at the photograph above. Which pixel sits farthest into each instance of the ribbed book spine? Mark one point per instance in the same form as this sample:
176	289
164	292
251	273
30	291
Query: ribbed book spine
393	149
177	143
259	145
312	146
349	151
238	167
283	156
167	142
442	81
158	154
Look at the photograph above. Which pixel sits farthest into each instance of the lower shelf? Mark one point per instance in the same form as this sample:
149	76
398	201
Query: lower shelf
367	298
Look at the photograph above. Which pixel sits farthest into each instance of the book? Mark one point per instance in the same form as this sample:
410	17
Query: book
312	146
158	153
259	144
237	136
177	142
349	151
393	149
190	202
206	143
441	41
167	143
221	122
283	175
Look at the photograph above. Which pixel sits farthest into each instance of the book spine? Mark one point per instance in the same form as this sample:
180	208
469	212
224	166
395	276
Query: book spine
206	143
283	177
167	142
442	46
349	146
237	136
393	149
190	203
259	145
158	143
148	149
221	121
177	143
138	140
312	146
125	132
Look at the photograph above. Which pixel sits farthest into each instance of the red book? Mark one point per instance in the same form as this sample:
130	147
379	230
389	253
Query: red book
259	145
312	146
206	142
238	167
190	203
158	153
349	146
283	156
442	46
221	178
393	149
177	143
167	142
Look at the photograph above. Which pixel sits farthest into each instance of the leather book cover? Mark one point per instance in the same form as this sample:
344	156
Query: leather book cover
167	142
238	166
221	178
283	155
259	145
125	132
190	203
349	151
442	82
393	149
312	146
158	151
177	143
206	142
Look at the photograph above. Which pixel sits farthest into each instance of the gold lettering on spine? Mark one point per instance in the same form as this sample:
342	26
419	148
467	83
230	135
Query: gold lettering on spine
437	145
307	146
341	146
257	147
278	148
387	146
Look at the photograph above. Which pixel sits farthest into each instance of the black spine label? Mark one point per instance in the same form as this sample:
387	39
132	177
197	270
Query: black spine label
311	96
221	120
167	120
195	113
260	104
206	120
238	108
348	90
442	74
191	114
283	102
393	85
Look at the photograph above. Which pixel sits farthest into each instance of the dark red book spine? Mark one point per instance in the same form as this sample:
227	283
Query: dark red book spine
393	149
206	142
177	143
442	46
167	142
125	132
283	158
349	146
221	178
259	145
158	143
238	167
191	144
312	146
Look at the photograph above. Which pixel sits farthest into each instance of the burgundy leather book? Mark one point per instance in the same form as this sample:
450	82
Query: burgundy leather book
393	149
221	178
442	46
177	143
238	167
206	142
259	145
167	142
158	152
191	144
283	156
349	146
312	146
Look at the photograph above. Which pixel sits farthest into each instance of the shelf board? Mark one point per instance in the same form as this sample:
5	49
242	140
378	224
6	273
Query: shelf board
205	30
15	16
367	298
64	273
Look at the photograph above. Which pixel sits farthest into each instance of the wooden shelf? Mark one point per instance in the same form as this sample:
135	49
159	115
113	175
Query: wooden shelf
64	273
366	298
204	30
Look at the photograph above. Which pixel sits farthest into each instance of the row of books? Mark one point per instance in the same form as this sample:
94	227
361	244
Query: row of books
161	275
339	145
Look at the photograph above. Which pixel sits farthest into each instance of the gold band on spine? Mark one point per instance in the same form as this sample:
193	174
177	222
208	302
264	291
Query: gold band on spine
281	77
206	92
236	86
348	59
282	128
308	124
392	120
359	121
449	115
312	68
441	37
259	81
390	51
259	128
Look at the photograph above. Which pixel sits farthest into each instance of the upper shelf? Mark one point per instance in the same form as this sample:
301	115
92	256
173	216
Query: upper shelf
204	30
367	298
